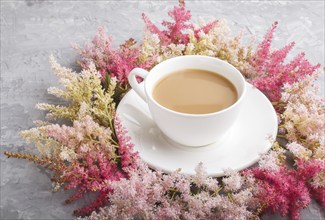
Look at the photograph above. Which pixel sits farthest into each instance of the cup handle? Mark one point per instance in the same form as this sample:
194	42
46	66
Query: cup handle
134	83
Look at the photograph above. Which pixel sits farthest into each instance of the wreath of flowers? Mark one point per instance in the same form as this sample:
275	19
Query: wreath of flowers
93	153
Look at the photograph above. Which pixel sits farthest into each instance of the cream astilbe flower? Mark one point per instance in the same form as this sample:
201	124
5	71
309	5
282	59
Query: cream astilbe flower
84	110
170	51
85	96
150	46
83	88
318	181
303	117
45	146
318	152
66	76
69	143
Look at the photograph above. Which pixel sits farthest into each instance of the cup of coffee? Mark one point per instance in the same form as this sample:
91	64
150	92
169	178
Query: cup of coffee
194	100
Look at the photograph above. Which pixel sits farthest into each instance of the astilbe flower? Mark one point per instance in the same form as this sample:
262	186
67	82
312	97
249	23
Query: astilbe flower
281	191
110	61
84	87
216	42
299	151
170	51
286	190
313	173
303	118
95	155
151	194
128	157
272	160
271	71
176	30
83	157
150	47
233	181
119	62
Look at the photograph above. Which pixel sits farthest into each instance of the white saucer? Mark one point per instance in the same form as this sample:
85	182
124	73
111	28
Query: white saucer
250	137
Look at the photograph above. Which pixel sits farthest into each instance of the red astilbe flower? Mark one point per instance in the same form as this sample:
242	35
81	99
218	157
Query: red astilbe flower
108	60
176	29
91	160
85	157
101	171
129	157
92	174
281	190
271	71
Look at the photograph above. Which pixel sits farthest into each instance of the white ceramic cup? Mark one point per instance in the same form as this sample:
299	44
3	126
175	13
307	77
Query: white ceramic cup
190	129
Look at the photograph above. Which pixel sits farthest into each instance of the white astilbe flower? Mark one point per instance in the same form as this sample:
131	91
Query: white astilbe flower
243	197
150	46
201	175
299	151
270	161
233	182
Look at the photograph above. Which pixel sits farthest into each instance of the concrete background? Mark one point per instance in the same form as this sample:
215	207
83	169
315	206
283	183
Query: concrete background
31	30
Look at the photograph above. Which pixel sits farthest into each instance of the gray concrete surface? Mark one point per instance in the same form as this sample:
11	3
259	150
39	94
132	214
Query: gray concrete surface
31	30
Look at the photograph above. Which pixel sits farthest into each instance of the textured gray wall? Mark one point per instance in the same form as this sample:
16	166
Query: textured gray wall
32	30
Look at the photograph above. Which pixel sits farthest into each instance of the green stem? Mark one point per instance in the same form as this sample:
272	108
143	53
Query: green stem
216	192
281	136
229	195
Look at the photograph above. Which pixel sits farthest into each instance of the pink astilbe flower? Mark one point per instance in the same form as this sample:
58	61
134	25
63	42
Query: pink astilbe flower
99	52
271	73
263	52
176	30
127	58
114	62
149	194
